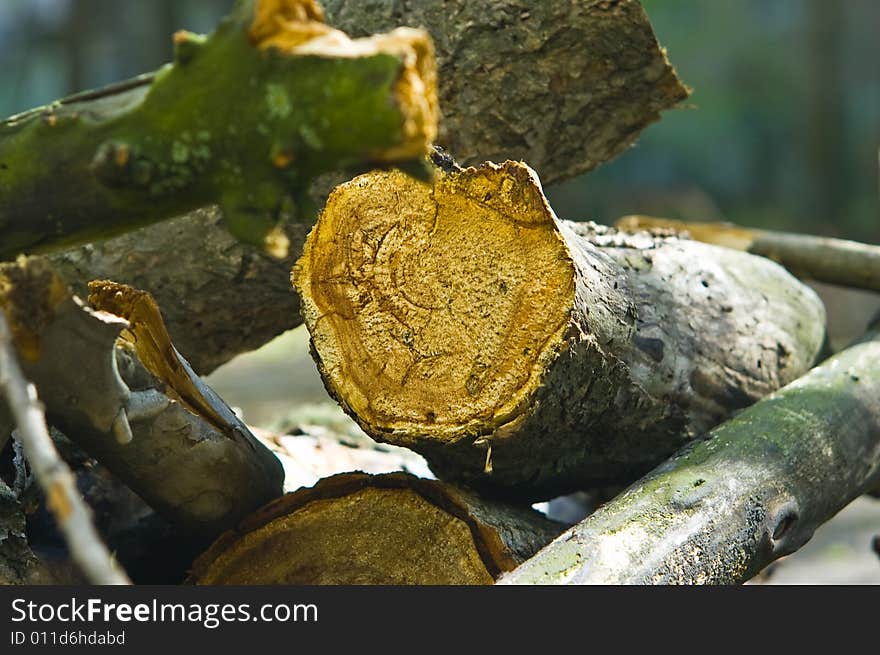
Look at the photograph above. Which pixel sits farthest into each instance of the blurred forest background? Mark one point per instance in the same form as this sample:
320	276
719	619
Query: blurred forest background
782	132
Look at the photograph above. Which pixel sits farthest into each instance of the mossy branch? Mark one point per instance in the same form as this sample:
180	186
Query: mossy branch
563	85
755	490
244	118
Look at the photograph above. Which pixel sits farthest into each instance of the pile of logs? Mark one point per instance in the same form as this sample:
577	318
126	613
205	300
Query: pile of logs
451	313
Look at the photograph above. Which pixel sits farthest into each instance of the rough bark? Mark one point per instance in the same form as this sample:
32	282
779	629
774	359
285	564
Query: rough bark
386	529
756	489
245	118
562	85
594	67
219	297
531	356
18	563
133	403
836	261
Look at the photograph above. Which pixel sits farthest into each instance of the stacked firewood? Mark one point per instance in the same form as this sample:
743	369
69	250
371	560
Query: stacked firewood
452	315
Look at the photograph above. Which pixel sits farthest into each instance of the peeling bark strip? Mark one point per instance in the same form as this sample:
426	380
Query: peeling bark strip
499	89
394	528
119	389
754	491
529	355
245	118
564	85
836	261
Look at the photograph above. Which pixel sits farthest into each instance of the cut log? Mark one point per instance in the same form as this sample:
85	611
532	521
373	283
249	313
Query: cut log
245	118
532	356
563	85
755	490
566	85
114	384
835	261
385	529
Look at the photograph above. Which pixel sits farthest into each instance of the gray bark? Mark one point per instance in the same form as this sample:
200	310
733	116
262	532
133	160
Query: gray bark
219	297
824	259
673	337
563	85
753	491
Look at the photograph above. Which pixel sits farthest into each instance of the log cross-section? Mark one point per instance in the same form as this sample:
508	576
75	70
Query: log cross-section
530	355
394	528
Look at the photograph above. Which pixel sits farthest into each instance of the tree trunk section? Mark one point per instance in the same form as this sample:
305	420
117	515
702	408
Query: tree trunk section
531	356
386	529
497	88
563	85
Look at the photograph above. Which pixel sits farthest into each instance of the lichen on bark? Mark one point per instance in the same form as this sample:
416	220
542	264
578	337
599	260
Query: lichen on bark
545	87
245	118
755	489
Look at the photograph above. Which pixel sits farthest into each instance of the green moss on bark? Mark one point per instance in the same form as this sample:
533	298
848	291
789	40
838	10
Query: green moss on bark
228	123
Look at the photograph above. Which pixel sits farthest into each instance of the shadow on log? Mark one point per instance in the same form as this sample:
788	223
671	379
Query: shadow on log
532	356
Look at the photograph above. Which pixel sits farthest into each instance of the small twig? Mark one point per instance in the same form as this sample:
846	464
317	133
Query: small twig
70	511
